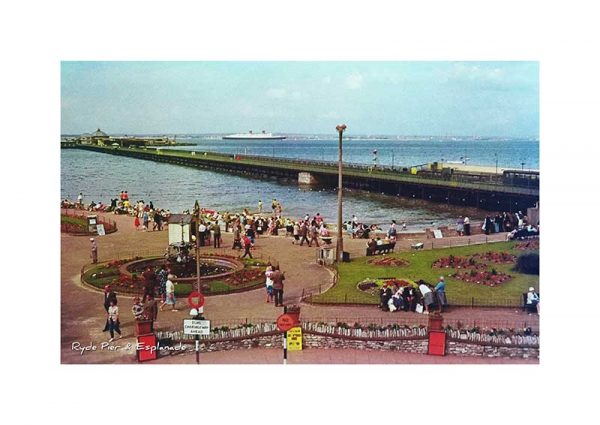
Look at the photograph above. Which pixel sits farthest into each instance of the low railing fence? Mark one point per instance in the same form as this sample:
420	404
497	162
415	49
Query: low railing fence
507	333
110	226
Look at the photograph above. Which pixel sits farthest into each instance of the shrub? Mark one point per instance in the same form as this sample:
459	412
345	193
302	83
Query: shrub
528	263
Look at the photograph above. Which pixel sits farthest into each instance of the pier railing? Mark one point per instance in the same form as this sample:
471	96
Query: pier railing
378	171
476	181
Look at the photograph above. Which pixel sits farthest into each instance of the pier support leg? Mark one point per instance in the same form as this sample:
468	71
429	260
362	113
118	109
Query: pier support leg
307	178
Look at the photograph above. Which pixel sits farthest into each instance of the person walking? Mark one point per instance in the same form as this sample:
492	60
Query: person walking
202	232
460	226
151	310
314	233
440	292
303	233
260	206
216	235
467	226
247	245
94	252
109	297
237	239
149	282
269	282
162	282
169	293
80	200
278	277
145	220
112	315
296	233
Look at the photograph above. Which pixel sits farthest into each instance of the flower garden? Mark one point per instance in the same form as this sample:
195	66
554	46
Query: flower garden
389	261
114	273
483	272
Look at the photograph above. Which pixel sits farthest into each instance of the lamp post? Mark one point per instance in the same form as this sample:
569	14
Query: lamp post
197	214
340	239
496	155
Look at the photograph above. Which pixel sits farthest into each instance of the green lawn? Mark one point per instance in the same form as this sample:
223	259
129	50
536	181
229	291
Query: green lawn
458	292
75	221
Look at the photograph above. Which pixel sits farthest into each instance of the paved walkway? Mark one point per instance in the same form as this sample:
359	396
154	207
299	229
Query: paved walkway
83	315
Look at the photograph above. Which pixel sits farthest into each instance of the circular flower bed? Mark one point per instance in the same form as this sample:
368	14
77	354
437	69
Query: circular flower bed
486	278
496	257
389	262
457	263
125	276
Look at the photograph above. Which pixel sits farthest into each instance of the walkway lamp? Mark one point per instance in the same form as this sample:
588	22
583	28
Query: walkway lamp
197	214
340	239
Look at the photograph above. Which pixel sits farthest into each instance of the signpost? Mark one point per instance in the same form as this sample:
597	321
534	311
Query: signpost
196	299
196	326
294	339
285	322
100	230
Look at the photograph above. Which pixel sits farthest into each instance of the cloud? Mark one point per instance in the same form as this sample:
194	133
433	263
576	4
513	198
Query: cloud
354	81
276	93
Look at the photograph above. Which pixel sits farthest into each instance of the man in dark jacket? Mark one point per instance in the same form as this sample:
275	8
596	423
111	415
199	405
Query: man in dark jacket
278	277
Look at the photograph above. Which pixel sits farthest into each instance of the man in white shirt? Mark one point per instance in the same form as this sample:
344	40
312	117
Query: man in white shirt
427	296
202	233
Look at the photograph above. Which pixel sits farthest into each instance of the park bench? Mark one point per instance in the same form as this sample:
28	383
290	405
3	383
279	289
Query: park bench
379	249
416	246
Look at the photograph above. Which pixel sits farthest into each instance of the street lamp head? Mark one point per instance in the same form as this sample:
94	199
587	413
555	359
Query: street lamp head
340	128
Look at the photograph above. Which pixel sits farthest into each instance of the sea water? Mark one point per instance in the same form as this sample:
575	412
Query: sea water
101	177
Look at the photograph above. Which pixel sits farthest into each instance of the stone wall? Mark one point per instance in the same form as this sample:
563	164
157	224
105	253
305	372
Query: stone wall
408	340
461	348
326	342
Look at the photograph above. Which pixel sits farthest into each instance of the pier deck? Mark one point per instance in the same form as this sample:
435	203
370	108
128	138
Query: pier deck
482	190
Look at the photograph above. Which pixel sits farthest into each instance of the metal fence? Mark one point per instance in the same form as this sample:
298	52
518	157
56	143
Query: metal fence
110	226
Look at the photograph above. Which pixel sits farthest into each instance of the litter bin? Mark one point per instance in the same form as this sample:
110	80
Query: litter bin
435	322
143	327
345	257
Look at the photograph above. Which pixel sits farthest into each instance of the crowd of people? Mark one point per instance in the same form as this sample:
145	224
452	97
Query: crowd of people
159	287
427	298
499	223
146	214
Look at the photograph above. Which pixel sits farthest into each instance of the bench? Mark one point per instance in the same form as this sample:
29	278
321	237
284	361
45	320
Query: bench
416	246
379	249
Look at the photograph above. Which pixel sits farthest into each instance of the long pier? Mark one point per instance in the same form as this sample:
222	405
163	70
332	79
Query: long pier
486	191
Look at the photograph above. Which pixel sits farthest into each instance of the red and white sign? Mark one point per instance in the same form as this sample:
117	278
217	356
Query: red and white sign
285	322
196	299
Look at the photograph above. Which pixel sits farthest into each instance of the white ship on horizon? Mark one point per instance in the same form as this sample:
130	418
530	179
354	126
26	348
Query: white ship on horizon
253	136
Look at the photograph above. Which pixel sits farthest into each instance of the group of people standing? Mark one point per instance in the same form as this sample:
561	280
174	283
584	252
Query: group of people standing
501	222
309	230
408	298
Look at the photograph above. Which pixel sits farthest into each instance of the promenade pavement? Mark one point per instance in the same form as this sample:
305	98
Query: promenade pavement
83	315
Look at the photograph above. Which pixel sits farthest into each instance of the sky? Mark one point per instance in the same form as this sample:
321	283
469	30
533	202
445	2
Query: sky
371	98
